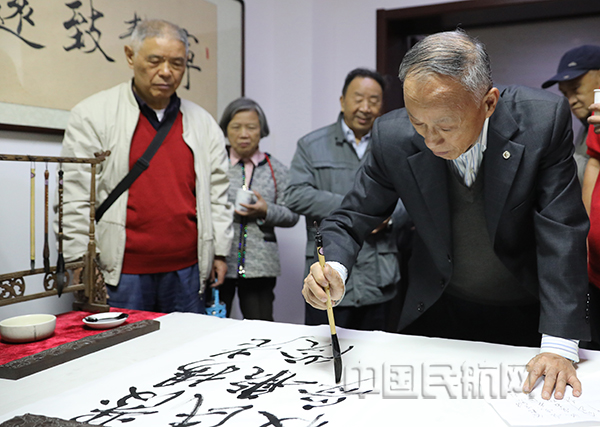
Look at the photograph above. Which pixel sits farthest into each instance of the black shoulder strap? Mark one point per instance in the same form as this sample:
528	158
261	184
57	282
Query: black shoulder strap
140	165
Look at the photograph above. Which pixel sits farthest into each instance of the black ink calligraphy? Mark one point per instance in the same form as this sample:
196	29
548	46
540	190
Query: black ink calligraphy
132	26
84	33
190	60
189	395
128	408
21	11
314	353
197	373
257	384
327	396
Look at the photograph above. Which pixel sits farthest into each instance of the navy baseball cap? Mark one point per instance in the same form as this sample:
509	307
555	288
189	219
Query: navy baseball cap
576	63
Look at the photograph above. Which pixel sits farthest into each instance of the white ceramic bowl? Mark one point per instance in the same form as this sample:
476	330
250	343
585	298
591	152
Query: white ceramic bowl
31	327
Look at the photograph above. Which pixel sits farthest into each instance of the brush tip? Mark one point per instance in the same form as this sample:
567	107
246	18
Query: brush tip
337	367
337	358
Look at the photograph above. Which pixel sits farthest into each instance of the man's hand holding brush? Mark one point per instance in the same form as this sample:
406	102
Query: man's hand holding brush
314	284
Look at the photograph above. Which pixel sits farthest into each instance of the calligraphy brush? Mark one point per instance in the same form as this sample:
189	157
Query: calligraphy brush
335	344
60	264
46	247
32	218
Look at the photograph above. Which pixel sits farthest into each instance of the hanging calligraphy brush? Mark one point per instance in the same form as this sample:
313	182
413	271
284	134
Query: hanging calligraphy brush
335	344
46	247
32	217
60	264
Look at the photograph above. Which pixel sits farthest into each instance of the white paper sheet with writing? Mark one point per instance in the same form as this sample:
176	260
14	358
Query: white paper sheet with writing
267	377
520	409
255	373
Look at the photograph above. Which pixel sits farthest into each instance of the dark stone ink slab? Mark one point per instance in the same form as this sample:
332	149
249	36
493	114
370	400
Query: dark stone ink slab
63	353
30	420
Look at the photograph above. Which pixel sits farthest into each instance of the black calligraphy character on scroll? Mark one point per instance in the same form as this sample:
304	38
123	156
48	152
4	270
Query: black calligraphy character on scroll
82	35
128	408
327	396
216	416
197	373
132	24
22	12
309	349
245	349
187	418
279	422
190	61
313	352
258	384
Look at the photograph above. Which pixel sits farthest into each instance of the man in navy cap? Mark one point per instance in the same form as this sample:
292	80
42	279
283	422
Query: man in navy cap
578	74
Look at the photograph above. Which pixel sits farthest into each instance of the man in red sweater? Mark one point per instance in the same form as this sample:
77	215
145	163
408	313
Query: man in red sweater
171	230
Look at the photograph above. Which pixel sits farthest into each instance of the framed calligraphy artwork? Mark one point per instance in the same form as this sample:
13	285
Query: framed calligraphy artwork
55	53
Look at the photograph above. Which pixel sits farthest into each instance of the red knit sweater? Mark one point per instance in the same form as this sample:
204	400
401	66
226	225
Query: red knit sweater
162	233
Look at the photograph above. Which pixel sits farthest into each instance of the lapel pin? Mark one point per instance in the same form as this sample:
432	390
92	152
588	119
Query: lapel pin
506	155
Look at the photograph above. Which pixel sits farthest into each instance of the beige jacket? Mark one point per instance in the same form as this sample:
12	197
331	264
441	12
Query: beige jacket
107	121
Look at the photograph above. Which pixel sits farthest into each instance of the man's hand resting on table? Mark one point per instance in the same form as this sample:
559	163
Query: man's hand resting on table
317	279
558	373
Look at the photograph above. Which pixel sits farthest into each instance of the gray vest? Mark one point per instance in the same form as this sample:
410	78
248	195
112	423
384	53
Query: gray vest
478	276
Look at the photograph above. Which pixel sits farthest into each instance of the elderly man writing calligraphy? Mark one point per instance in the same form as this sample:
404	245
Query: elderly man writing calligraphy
162	238
487	175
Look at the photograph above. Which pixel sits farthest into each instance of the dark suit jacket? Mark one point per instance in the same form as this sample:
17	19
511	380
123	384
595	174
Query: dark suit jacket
535	217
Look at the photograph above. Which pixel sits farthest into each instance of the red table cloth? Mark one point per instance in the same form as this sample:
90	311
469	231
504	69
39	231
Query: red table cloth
69	327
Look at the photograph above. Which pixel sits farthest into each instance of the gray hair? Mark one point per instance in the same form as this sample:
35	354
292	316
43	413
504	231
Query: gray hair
244	104
454	54
150	28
